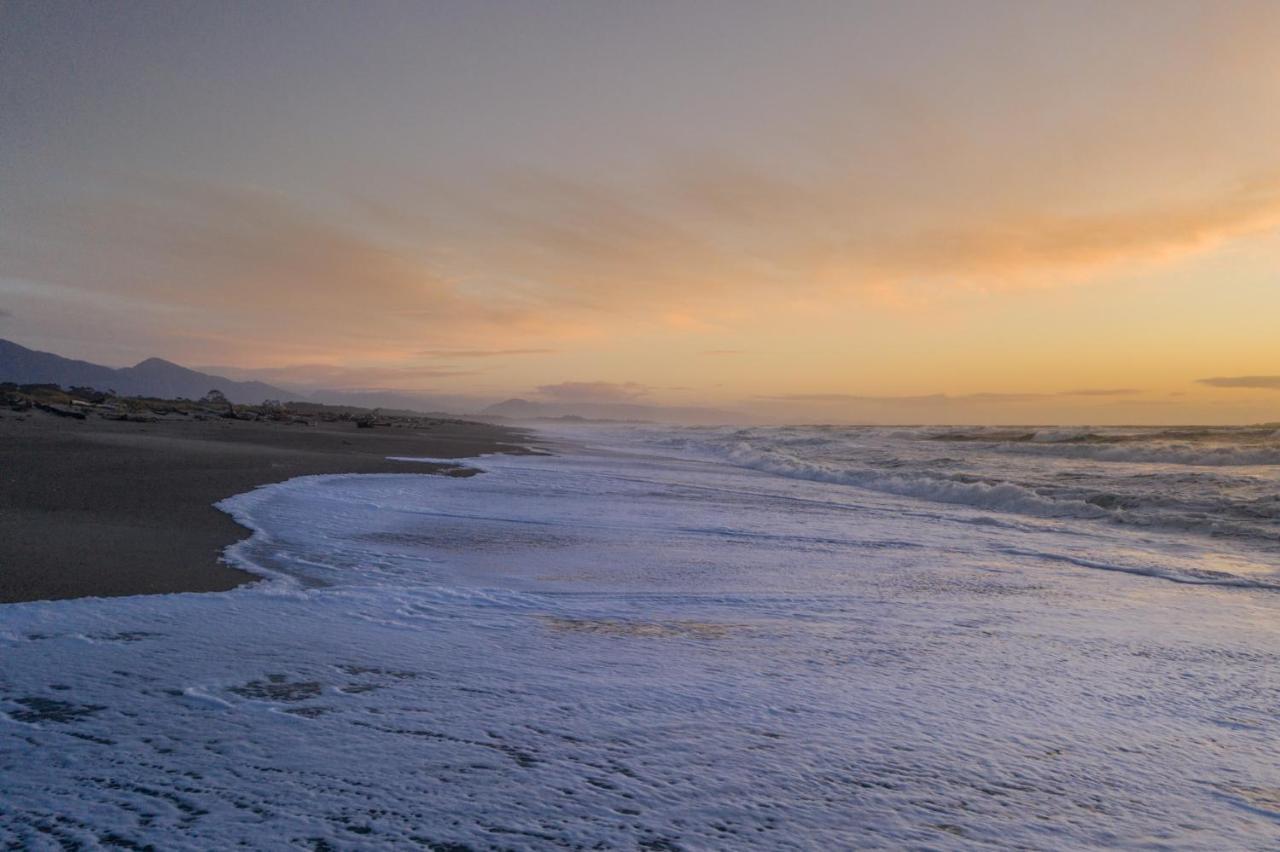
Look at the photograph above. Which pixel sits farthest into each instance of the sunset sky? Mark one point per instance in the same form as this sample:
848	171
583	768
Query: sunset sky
895	212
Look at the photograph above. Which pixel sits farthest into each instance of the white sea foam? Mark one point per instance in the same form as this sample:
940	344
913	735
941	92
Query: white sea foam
1001	496
1160	453
1220	447
662	646
1218	487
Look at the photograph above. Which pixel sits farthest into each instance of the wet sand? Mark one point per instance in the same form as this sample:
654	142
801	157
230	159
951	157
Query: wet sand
104	508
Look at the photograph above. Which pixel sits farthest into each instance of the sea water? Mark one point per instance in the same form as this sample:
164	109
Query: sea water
691	639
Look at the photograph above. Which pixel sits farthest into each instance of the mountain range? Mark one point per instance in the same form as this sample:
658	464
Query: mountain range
156	377
153	377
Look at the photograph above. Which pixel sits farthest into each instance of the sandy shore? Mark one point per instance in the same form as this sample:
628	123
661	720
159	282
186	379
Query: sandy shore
100	508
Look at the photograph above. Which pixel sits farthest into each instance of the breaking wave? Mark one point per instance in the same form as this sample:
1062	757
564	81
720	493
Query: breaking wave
1200	447
1223	483
992	495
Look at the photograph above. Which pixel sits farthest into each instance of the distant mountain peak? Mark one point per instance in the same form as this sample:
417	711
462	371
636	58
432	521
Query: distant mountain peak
150	377
156	362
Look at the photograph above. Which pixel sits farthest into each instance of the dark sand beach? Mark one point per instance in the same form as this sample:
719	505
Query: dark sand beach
103	508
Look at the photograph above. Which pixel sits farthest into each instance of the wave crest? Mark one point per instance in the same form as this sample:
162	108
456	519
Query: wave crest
980	494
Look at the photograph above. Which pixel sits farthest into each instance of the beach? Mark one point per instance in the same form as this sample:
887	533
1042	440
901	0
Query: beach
105	508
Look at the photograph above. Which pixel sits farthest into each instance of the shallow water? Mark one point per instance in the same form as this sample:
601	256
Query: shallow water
679	639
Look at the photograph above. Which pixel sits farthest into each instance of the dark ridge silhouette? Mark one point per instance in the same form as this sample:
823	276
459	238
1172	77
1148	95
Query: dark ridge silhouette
153	377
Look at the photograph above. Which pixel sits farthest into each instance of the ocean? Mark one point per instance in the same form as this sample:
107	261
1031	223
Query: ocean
662	638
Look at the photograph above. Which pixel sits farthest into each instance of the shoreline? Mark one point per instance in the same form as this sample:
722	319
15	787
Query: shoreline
102	508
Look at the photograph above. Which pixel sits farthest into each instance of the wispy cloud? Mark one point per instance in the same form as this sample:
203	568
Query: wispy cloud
533	259
1102	392
845	397
593	391
933	399
483	353
1022	245
533	252
254	266
1256	382
683	245
342	378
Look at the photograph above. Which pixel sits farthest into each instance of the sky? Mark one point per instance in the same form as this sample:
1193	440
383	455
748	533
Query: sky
969	212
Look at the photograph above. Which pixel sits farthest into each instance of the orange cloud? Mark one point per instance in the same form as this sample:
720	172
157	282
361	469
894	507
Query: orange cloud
593	391
535	259
483	353
335	377
258	272
1252	382
726	236
1037	243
